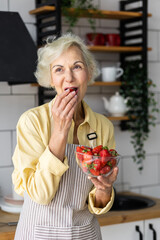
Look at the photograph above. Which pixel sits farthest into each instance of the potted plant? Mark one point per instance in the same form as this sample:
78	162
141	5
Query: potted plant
71	16
141	104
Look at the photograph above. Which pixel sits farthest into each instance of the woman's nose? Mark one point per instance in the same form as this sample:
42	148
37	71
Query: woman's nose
69	75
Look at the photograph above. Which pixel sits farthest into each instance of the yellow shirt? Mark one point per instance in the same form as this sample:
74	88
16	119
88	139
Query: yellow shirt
36	170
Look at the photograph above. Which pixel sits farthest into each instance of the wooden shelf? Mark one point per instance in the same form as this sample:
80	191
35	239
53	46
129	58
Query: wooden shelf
102	14
43	9
116	49
105	14
116	83
121	118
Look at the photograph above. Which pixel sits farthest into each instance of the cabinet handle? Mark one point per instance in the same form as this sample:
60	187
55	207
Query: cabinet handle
140	233
154	231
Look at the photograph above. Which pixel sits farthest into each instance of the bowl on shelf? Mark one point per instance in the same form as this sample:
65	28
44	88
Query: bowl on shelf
95	166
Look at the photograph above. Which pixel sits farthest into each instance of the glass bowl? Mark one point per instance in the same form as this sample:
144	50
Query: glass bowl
95	166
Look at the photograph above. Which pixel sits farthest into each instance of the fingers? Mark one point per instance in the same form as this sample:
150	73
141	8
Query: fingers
102	182
65	104
63	99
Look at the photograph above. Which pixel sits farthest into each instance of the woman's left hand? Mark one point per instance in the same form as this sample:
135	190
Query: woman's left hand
104	187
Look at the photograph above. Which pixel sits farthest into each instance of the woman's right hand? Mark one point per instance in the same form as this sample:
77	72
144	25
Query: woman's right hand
62	111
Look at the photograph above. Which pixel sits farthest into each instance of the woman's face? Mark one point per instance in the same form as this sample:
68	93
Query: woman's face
70	71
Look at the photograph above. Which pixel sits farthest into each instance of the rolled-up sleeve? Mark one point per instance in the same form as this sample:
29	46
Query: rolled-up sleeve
99	211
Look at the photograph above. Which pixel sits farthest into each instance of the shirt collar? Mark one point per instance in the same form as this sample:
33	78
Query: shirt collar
89	116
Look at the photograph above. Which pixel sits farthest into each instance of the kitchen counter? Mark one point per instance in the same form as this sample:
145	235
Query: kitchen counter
112	217
116	217
7	232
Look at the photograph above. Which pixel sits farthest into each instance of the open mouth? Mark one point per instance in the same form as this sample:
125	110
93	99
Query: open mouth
71	89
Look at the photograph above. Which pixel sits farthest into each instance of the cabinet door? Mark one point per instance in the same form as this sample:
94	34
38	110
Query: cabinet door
152	229
124	231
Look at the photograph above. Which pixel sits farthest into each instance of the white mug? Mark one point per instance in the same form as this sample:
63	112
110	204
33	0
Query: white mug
110	74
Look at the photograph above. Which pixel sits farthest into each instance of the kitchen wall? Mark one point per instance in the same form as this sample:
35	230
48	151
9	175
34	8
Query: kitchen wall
14	100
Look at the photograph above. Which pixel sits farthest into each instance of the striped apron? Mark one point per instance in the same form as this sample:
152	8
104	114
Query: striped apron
67	216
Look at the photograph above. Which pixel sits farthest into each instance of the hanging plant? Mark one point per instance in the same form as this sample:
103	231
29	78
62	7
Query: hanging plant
142	106
71	17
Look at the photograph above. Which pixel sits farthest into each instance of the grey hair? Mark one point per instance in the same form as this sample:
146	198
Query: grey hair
53	49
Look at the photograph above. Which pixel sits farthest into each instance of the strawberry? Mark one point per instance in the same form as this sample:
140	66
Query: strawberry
85	149
105	170
113	152
97	164
113	162
97	149
94	172
79	151
84	166
104	153
88	157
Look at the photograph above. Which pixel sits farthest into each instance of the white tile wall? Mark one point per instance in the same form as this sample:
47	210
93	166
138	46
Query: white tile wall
23	7
153	37
154	73
5	148
4	5
6	181
32	30
24	89
153	22
149	176
5	88
11	107
152	191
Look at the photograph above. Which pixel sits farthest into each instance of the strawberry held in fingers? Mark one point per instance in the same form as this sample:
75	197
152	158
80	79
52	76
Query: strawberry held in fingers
71	89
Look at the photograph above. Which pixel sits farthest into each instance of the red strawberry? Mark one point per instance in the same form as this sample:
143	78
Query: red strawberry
88	157
113	162
104	153
94	172
97	149
97	164
79	151
105	170
113	152
84	166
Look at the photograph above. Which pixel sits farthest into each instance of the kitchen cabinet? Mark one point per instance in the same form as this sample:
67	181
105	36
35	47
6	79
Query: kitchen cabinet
133	44
138	230
152	229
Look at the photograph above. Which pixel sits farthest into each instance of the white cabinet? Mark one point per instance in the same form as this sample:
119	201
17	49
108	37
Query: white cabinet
138	230
123	231
152	229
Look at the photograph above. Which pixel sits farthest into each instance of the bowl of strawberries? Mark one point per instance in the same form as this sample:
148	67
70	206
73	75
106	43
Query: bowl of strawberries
97	161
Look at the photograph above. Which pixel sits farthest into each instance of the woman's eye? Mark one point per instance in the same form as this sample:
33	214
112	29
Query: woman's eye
58	69
77	67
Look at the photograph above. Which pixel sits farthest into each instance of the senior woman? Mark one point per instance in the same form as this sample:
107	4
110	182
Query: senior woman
60	202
